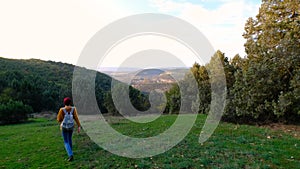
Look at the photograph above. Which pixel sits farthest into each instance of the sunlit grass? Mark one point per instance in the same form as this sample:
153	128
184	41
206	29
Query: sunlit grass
39	144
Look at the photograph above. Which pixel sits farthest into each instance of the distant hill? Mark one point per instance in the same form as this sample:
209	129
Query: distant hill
150	72
42	84
147	80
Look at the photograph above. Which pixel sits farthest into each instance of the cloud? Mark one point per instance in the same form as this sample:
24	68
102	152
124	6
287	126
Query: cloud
167	5
222	25
52	30
58	30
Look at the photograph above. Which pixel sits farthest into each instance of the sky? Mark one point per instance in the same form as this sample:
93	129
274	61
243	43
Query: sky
58	30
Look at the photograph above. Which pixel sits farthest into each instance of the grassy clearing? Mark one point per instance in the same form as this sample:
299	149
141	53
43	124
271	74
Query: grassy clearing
38	144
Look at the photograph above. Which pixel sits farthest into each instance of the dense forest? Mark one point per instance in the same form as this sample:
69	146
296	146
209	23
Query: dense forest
33	86
264	86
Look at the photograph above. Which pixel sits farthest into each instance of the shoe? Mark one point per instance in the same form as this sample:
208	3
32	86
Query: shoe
71	158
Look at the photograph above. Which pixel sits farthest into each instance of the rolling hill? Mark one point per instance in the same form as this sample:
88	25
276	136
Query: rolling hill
42	85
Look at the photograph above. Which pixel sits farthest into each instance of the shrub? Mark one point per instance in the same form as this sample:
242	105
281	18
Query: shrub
14	112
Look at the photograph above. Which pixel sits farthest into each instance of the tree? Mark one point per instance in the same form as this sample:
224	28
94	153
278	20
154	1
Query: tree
272	48
173	100
126	100
202	77
277	21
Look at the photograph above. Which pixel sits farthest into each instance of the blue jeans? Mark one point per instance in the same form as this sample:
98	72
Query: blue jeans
67	135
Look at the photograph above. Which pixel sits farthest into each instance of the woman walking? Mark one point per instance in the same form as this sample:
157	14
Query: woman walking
66	117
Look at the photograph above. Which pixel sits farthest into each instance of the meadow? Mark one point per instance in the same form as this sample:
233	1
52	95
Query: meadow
38	144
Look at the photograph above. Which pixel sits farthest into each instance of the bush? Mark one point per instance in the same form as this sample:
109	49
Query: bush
14	112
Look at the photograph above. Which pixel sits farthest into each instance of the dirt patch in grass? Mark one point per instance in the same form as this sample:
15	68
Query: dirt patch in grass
293	130
45	114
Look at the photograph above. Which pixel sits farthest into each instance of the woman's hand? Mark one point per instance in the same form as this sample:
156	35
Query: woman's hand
78	129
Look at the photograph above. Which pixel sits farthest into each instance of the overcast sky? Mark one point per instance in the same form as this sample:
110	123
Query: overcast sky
58	30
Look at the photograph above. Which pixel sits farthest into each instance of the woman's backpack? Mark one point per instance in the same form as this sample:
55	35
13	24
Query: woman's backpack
68	122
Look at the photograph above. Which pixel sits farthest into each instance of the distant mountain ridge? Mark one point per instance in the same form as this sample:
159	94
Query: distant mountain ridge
149	79
135	69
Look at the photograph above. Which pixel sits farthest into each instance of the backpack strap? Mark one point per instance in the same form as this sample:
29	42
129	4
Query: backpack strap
65	111
72	110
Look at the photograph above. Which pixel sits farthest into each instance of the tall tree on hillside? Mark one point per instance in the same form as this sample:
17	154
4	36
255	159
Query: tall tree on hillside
272	47
277	23
173	100
201	75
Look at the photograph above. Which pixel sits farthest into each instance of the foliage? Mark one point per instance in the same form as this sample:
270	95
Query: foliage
264	86
14	112
173	100
202	76
264	89
42	85
126	100
39	84
208	76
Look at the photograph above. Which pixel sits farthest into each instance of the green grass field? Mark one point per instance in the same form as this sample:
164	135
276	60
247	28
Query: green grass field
38	144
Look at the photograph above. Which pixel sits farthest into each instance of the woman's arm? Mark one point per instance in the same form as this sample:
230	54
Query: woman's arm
60	116
76	117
